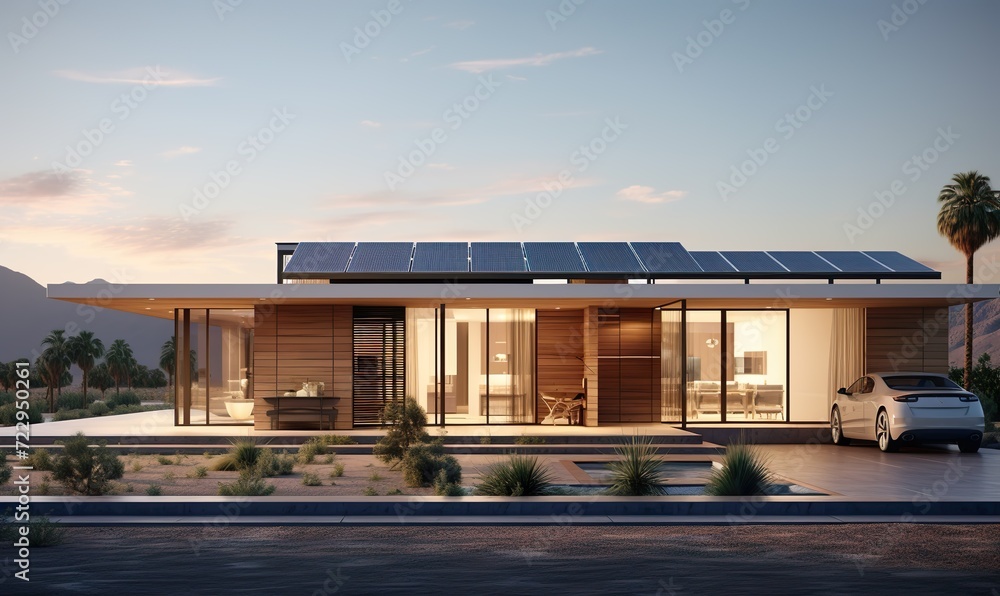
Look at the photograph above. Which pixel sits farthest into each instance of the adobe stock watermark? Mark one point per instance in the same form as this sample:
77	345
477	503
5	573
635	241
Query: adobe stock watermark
581	159
224	7
712	29
454	117
562	12
913	169
787	126
248	149
122	107
366	33
33	24
899	16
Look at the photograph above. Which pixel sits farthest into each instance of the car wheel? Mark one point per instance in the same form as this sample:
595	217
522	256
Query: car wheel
969	446
837	429
882	435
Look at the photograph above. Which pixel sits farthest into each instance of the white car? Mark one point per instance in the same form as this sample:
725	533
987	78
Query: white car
907	408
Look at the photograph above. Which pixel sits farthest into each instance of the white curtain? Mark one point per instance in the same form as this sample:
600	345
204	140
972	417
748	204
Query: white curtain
848	347
521	362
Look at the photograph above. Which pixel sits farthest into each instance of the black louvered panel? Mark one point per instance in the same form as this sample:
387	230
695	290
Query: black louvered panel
379	360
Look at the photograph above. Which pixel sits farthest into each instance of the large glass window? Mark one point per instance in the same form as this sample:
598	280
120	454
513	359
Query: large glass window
759	387
705	346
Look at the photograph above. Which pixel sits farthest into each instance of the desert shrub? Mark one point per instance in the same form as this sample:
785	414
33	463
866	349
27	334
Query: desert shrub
268	464
132	409
423	463
71	415
154	490
242	455
337	471
73	400
517	476
169	476
310	479
163	460
5	472
528	440
84	469
198	472
310	449
7	397
637	471
9	417
247	485
125	398
41	530
136	466
406	427
375	477
99	408
40	459
338	440
329	458
443	487
370	491
394	491
744	472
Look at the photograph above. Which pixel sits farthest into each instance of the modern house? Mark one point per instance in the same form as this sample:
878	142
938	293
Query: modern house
512	332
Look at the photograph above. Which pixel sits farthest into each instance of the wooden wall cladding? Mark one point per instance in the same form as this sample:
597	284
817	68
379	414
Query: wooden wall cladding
559	334
295	344
629	365
906	339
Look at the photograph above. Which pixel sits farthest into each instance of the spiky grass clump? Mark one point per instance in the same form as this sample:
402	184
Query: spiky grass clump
517	476
744	472
637	471
243	455
247	485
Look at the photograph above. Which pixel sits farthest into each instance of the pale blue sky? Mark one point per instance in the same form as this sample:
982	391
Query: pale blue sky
550	86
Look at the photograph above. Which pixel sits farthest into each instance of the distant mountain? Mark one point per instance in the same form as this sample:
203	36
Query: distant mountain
985	327
27	316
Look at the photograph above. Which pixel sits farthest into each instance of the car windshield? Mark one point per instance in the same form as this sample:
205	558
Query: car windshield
919	382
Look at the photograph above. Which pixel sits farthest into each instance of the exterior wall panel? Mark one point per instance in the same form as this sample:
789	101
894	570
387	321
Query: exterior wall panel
907	339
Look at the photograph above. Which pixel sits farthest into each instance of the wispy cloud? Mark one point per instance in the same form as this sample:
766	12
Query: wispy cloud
124	163
44	197
481	66
39	185
417	54
154	76
516	78
184	150
371	124
648	194
461	25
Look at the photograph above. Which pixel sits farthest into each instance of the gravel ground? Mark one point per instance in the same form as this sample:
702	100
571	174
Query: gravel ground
884	558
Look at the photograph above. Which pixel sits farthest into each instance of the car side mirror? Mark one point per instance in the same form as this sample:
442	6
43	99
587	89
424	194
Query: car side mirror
843	391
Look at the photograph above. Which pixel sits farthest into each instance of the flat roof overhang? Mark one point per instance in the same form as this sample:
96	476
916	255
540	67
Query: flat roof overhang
159	300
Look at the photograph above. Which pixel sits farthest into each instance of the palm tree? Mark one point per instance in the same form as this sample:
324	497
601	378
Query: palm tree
100	378
84	349
56	360
120	362
969	218
168	358
5	383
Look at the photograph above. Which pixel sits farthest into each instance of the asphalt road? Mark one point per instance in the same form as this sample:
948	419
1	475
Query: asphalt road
889	559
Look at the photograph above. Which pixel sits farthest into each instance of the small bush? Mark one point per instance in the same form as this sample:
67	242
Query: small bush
242	455
268	464
423	463
169	476
744	472
72	400
131	409
517	476
637	472
487	440
370	491
310	449
446	488
528	440
310	479
394	491
329	458
163	460
154	490
375	477
125	398
99	408
8	413
337	471
247	485
5	472
41	530
208	455
130	488
45	487
84	469
136	466
199	472
40	459
6	397
70	415
338	440
406	427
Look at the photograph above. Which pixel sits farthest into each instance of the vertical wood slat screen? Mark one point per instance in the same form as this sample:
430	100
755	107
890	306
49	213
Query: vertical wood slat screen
379	360
628	365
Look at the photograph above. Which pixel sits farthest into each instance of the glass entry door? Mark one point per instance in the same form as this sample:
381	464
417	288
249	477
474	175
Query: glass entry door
673	355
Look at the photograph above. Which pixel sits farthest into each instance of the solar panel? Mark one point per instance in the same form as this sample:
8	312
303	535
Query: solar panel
799	261
897	262
665	257
747	261
320	257
712	262
852	261
378	257
497	257
553	257
609	257
445	257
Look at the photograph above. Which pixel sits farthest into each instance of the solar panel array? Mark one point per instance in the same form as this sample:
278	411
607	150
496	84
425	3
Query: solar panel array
569	259
441	257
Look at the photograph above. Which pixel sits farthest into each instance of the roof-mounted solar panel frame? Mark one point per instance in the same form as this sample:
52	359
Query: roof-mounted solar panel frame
497	258
801	262
713	262
440	257
665	257
381	257
318	260
553	257
611	259
897	262
753	262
